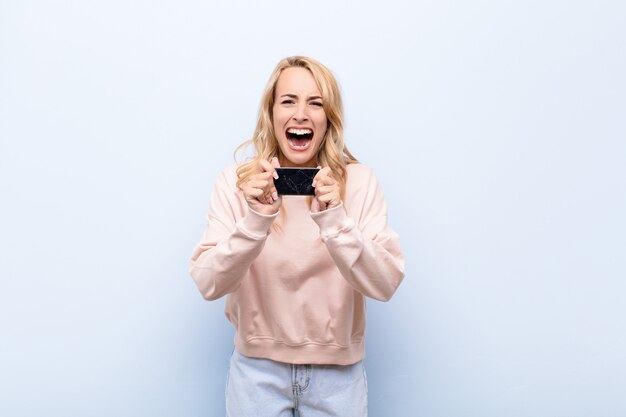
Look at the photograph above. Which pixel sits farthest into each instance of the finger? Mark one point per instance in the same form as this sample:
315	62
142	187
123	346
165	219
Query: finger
261	175
319	167
259	189
270	190
276	164
317	176
270	193
323	172
315	205
326	180
329	201
320	174
325	189
267	167
254	193
277	200
328	196
260	184
318	204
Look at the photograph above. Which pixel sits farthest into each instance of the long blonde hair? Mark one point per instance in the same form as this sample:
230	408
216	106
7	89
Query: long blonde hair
333	151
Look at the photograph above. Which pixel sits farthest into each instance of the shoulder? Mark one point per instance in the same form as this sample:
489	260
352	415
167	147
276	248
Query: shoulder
361	183
363	195
228	176
358	174
226	181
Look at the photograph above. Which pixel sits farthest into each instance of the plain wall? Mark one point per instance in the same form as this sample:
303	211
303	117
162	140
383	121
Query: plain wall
497	129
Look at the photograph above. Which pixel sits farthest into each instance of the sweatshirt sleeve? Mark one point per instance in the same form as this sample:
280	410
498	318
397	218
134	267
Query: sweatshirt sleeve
365	249
228	246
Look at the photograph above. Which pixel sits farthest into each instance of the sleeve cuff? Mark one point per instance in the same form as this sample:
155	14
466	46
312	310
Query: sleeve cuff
256	225
332	222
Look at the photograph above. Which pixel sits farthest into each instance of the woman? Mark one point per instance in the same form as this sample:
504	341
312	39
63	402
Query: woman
296	269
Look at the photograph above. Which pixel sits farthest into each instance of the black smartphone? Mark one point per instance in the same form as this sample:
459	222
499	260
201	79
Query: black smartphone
295	181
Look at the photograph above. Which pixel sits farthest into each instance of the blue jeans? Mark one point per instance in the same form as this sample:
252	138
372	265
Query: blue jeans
265	388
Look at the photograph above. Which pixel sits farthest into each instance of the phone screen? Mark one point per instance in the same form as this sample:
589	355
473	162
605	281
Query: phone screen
295	181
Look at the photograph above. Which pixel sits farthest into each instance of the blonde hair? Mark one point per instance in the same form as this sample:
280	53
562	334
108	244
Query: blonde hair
333	151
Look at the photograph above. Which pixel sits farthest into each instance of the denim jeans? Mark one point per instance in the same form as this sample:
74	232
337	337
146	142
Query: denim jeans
265	388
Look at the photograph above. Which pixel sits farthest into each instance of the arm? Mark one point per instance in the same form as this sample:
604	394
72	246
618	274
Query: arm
228	247
366	250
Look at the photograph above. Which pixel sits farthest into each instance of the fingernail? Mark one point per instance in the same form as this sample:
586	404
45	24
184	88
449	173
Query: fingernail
275	175
275	195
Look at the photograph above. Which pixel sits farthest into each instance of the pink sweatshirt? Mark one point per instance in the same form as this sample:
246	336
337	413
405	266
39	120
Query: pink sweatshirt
296	293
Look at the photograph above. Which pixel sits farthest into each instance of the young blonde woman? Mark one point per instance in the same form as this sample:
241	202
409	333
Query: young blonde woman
296	270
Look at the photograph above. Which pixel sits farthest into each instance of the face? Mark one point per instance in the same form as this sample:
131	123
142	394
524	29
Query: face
299	118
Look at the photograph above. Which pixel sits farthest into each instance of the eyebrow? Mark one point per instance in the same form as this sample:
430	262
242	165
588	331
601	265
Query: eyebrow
296	96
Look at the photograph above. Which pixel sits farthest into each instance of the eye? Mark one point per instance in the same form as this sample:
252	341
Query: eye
287	101
316	103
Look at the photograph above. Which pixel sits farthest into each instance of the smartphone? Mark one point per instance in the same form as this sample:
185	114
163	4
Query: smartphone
295	181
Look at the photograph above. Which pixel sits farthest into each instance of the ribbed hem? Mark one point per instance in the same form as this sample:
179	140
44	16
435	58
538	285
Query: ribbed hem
256	225
332	221
309	353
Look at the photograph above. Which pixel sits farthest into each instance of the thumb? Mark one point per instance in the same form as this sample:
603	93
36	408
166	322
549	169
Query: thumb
315	205
275	162
278	202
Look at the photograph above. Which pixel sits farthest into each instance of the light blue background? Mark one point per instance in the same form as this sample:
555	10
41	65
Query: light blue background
498	131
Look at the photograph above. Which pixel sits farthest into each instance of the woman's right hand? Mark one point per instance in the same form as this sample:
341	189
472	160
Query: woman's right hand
259	190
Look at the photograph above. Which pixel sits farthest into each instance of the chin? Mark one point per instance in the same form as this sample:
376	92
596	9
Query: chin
300	161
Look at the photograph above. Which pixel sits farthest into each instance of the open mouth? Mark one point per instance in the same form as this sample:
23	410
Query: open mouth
299	138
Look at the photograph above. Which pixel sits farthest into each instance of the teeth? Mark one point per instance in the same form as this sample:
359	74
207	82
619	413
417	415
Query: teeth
300	131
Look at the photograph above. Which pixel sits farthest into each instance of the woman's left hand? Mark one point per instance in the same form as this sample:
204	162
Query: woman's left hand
327	191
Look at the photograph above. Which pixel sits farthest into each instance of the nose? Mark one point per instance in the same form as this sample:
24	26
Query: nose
301	114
